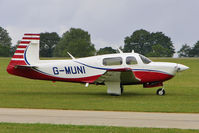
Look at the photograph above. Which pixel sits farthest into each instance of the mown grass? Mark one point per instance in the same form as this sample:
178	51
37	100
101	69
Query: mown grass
182	93
48	128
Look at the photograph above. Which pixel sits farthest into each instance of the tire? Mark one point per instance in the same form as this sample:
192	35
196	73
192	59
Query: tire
160	92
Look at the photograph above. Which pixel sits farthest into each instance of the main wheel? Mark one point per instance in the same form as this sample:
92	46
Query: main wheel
160	92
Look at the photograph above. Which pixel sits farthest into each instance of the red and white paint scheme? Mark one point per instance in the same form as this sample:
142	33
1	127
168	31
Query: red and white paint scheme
112	70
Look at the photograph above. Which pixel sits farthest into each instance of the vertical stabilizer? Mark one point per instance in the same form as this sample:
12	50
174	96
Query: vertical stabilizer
27	52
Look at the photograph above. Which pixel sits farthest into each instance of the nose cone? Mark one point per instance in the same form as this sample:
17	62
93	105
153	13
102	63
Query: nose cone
181	68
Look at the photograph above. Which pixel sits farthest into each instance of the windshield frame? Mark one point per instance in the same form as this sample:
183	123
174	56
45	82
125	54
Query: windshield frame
144	59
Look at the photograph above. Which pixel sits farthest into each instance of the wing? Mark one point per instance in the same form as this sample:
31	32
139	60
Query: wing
124	76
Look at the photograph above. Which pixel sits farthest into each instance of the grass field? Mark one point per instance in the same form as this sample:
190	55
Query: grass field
47	128
182	93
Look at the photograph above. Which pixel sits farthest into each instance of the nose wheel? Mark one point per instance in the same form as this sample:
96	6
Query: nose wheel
160	92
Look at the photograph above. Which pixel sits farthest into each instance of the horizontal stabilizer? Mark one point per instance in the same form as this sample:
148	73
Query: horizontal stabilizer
24	66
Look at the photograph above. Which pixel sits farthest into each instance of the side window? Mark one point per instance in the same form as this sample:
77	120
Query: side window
130	60
112	61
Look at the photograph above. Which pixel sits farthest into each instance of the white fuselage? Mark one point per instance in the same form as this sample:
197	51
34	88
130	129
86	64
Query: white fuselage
92	66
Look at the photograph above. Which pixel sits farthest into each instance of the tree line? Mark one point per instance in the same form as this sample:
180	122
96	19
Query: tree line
187	51
78	43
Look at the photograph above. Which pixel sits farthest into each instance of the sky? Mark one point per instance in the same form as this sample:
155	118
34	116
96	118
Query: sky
107	21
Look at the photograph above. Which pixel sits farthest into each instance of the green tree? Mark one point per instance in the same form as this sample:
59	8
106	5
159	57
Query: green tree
75	41
106	50
185	51
13	48
157	51
195	50
138	41
48	41
165	42
149	44
5	43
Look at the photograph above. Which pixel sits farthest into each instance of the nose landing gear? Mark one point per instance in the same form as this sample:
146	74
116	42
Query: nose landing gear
160	92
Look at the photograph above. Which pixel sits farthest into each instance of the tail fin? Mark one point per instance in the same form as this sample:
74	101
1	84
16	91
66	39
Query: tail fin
27	52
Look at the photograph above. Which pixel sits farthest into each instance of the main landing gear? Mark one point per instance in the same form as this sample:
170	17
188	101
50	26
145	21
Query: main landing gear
122	88
114	88
160	92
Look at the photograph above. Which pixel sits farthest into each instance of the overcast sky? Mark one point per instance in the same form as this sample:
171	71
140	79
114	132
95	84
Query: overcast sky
108	21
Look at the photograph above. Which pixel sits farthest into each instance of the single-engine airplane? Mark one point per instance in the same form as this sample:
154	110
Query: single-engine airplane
112	70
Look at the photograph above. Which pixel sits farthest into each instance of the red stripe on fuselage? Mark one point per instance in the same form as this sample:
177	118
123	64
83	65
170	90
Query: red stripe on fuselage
148	76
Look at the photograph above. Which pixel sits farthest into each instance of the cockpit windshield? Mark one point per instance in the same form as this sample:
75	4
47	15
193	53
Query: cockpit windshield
145	60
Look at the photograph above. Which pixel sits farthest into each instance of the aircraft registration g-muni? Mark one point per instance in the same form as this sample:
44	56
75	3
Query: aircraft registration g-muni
112	70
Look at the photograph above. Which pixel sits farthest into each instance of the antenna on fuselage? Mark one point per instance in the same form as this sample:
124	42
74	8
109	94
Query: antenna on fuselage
71	55
119	50
132	51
